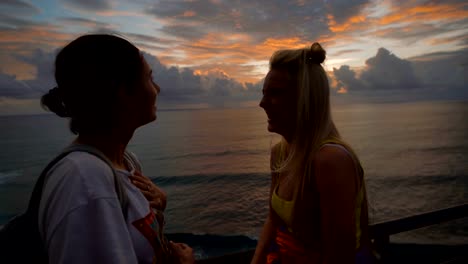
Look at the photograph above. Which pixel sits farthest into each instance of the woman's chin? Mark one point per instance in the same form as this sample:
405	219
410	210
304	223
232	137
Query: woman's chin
272	128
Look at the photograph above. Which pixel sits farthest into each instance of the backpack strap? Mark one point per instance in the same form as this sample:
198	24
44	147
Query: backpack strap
33	207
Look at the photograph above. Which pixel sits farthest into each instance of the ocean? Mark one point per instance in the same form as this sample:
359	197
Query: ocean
214	165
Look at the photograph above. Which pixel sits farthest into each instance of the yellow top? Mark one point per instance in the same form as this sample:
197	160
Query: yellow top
284	208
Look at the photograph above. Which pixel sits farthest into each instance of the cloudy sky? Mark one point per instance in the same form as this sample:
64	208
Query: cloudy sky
215	52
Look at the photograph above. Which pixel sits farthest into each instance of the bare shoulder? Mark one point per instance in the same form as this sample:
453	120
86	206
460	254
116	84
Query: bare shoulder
334	165
333	156
275	150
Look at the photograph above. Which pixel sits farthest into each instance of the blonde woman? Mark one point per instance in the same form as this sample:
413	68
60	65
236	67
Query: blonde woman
318	204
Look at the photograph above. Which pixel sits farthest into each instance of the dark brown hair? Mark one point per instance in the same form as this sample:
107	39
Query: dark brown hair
88	72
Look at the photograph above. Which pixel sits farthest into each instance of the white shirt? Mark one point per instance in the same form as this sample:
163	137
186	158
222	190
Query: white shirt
81	220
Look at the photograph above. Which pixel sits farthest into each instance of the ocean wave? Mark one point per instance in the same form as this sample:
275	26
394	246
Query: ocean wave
439	149
213	240
416	180
211	178
8	176
213	154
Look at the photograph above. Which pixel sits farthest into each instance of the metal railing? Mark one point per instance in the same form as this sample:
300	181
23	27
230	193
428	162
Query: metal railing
379	233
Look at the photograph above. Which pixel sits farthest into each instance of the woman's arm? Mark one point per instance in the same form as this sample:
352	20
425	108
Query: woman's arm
269	227
337	187
266	237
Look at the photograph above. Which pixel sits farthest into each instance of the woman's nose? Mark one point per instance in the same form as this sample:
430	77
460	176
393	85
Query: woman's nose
158	89
262	102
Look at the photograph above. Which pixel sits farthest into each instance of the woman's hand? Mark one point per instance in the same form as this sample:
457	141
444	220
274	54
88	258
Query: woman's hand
184	253
155	196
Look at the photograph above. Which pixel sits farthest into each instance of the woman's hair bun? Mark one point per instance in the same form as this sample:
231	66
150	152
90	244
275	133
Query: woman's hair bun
317	53
53	101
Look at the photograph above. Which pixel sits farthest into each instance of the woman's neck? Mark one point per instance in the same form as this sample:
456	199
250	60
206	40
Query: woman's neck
112	145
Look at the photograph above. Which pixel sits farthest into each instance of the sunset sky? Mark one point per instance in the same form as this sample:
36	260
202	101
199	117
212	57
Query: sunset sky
215	52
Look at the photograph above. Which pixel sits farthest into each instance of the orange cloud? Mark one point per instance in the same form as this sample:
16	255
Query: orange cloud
116	13
343	90
351	24
19	69
283	43
335	85
24	42
189	14
39	36
460	39
234	53
425	13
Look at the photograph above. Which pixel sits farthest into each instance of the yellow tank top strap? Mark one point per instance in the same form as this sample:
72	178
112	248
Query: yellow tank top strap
283	208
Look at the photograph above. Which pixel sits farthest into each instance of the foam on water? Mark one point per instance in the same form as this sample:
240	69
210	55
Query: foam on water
9	176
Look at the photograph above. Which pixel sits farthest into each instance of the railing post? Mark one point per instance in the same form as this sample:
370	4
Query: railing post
381	243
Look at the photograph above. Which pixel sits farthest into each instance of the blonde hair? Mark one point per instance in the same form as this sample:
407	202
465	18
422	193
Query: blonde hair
314	125
314	121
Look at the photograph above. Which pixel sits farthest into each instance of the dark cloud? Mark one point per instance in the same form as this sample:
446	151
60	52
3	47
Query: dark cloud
19	8
8	22
342	10
436	75
183	85
411	34
342	52
460	40
443	71
457	24
177	85
177	8
405	3
413	21
149	46
346	79
387	71
78	21
44	64
12	88
184	31
439	75
150	39
260	19
89	5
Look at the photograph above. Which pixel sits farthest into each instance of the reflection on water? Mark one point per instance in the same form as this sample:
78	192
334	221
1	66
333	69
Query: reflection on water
213	163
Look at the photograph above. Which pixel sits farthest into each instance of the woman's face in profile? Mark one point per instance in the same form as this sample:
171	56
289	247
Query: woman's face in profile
279	102
146	93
